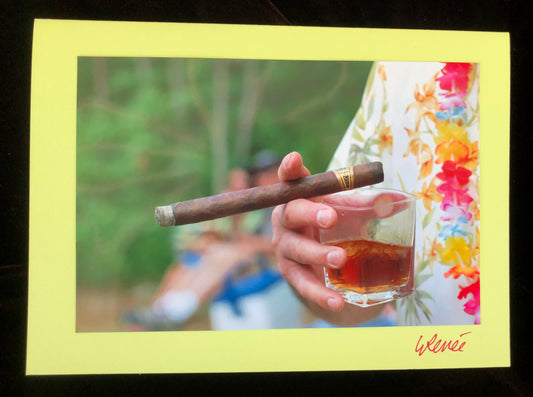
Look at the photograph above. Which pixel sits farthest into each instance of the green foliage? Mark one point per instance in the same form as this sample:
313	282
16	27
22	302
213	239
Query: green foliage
146	137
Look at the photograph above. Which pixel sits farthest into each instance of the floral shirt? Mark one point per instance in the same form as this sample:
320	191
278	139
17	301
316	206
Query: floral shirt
421	120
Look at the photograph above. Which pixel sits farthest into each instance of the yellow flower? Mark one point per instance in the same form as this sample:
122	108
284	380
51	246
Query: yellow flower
456	252
451	131
476	248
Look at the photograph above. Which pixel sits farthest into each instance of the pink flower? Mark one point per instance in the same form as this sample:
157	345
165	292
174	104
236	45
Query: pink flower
455	77
455	201
454	196
452	211
472	306
454	100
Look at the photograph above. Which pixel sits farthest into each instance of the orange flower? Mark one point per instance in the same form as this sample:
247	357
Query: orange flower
422	152
472	159
455	151
425	102
474	209
411	134
433	251
429	194
384	138
435	247
381	73
457	271
425	169
453	144
423	155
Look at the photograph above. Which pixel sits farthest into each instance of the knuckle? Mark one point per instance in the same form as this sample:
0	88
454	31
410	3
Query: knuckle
276	214
291	211
294	249
299	285
286	215
276	238
277	230
284	269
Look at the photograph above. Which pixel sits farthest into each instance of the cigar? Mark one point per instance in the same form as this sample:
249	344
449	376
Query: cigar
236	202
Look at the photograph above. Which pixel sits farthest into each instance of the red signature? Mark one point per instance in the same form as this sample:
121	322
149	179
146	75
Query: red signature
437	345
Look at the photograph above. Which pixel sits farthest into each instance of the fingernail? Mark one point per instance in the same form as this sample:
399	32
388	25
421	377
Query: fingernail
333	304
288	159
334	258
323	218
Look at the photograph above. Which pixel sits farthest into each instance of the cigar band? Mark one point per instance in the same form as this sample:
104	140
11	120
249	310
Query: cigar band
345	176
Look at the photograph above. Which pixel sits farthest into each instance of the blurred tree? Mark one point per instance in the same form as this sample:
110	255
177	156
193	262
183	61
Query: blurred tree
101	86
219	125
252	89
156	131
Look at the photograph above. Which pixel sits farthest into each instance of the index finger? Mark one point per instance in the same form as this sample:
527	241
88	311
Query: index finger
301	213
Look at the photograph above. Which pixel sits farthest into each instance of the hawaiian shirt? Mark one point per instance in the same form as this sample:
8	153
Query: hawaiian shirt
421	120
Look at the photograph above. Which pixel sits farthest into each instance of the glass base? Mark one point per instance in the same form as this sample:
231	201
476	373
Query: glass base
371	298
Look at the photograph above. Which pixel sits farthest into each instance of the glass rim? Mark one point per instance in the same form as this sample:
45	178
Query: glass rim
408	198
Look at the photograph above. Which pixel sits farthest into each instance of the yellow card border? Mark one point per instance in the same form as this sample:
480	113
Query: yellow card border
54	347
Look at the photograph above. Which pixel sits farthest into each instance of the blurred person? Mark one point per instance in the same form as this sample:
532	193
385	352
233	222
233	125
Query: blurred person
255	295
226	261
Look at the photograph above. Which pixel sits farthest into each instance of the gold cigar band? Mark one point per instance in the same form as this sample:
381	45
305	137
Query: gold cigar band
345	176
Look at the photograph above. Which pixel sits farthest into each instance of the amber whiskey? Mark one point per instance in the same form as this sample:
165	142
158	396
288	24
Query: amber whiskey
373	266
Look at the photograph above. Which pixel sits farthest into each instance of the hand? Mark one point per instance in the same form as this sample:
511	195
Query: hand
300	256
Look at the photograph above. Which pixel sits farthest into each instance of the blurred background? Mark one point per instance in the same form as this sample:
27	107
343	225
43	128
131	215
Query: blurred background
154	131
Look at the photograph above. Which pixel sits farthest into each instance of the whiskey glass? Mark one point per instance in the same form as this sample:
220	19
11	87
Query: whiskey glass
376	227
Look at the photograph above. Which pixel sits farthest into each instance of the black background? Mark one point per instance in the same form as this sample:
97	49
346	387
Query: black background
16	30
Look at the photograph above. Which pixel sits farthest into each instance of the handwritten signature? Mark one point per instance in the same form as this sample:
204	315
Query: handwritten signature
437	345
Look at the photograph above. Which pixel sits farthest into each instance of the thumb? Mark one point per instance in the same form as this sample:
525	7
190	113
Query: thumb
292	167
